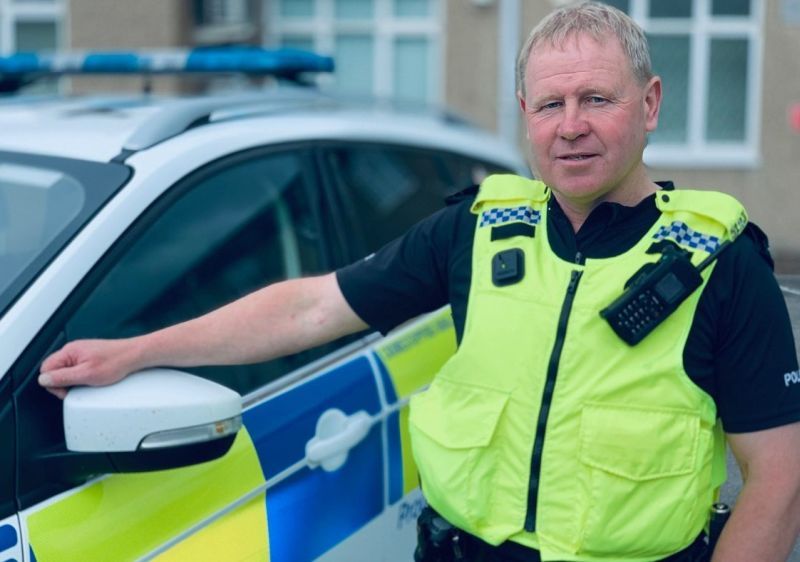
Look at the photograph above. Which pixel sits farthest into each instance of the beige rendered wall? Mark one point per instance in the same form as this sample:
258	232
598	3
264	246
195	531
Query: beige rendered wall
104	24
471	61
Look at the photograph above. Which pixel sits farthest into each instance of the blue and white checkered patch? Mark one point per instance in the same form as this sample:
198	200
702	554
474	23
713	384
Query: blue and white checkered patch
682	234
513	214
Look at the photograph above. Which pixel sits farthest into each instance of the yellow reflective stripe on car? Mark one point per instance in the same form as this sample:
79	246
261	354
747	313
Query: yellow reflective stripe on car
412	357
126	516
228	538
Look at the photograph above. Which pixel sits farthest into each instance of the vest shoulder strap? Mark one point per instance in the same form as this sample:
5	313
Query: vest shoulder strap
720	211
505	189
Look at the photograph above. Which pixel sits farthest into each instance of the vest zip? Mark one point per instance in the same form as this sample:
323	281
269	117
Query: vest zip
547	398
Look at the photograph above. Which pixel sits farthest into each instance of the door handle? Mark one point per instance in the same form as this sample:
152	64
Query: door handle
335	435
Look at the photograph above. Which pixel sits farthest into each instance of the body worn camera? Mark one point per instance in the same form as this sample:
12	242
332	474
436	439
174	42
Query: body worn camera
655	292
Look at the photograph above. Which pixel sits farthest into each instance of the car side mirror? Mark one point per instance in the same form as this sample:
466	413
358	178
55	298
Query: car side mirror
153	419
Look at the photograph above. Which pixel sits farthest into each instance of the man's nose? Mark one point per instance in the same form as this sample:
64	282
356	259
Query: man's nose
573	123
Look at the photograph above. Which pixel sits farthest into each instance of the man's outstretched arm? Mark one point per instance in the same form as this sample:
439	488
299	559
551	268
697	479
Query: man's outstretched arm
766	520
277	320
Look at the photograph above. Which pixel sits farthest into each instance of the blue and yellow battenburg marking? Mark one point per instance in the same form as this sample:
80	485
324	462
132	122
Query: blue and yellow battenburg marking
407	363
312	510
127	516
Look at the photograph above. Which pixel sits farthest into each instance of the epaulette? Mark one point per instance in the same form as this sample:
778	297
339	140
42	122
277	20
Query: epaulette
463	195
761	243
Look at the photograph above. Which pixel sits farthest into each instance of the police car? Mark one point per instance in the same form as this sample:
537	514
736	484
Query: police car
123	214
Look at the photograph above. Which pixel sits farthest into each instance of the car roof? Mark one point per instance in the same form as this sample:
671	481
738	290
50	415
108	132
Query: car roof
102	128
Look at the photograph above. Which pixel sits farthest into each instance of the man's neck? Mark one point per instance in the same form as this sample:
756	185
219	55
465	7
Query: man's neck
577	211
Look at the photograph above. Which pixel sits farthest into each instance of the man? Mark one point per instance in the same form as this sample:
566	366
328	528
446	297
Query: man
546	436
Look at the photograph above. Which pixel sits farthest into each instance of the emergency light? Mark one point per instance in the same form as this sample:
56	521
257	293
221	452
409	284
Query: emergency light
248	60
24	67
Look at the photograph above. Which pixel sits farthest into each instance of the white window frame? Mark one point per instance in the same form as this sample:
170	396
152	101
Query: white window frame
46	11
384	27
697	152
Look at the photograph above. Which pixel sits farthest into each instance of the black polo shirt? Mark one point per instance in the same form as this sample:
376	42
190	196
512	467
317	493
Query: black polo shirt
740	347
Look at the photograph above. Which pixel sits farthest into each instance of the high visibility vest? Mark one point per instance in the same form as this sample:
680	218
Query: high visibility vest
545	428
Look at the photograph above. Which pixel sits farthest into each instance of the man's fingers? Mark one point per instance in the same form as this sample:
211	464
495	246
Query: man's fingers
57	360
67	376
57	392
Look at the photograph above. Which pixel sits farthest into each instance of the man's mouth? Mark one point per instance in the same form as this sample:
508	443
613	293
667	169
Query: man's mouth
576	157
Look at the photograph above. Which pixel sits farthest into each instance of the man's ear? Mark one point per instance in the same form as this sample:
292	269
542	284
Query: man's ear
652	103
521	100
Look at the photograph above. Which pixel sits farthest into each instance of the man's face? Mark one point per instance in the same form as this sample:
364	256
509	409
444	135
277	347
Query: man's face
587	118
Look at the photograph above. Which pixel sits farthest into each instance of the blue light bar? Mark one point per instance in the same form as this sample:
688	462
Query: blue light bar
247	60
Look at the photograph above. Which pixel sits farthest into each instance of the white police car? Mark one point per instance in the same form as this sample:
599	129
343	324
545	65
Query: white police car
120	215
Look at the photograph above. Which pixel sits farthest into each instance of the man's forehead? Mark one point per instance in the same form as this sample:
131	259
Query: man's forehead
575	40
577	54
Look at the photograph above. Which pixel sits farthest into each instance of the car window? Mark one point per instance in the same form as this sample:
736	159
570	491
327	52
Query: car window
386	189
225	233
466	171
44	201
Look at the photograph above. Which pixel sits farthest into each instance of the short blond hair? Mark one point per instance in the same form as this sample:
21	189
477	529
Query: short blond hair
599	21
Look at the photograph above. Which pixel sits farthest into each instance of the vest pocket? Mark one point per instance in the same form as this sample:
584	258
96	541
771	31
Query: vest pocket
642	479
452	426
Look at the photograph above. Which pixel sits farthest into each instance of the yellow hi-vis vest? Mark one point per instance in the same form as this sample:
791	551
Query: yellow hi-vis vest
545	428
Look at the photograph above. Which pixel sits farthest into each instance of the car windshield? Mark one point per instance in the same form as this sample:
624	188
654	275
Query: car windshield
44	201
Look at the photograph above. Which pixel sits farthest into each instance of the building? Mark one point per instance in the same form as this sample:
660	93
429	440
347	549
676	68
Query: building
730	120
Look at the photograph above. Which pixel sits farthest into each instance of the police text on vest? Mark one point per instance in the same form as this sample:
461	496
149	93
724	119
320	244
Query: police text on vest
791	378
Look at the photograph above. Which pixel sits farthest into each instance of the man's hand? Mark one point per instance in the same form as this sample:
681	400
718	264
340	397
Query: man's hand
766	520
87	362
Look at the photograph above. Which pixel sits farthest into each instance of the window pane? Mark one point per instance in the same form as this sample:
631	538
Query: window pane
36	36
670	9
730	7
411	69
354	9
670	57
412	8
218	12
353	55
36	206
623	5
298	42
727	90
297	8
388	189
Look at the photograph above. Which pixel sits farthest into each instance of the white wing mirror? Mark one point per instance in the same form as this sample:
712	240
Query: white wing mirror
150	410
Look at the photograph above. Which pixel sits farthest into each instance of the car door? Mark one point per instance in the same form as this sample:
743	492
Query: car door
306	471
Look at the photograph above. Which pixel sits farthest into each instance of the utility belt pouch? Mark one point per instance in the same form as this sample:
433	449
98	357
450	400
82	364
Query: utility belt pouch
437	540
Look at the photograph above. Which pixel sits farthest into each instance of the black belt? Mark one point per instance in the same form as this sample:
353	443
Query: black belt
476	550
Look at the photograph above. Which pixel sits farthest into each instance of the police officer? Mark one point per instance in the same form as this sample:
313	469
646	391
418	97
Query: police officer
546	436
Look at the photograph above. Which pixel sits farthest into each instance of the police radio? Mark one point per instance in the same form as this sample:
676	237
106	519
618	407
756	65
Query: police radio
655	291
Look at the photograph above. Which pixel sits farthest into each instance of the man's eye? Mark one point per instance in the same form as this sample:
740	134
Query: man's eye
596	99
551	105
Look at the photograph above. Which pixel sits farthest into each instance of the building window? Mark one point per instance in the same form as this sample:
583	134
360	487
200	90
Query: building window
385	48
224	21
708	53
32	25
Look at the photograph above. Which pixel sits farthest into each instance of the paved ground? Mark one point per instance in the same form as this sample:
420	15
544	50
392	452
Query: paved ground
791	291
